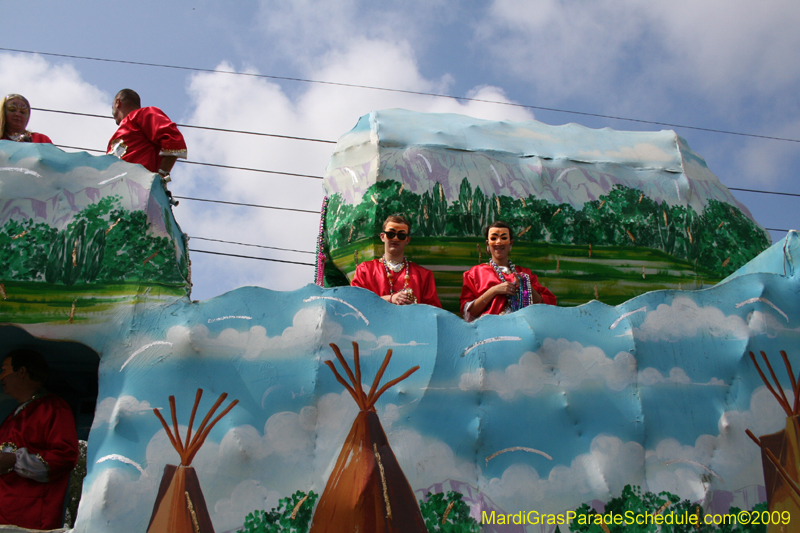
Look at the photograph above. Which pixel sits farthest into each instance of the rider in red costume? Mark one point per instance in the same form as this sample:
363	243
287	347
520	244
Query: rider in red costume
393	277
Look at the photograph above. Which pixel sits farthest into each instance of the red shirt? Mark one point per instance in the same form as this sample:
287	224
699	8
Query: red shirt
45	426
145	136
481	278
371	275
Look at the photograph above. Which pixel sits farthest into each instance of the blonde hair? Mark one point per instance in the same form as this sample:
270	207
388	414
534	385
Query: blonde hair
6	98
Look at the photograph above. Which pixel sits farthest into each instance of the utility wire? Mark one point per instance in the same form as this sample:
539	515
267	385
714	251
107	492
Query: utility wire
91	115
763	192
252	257
209	164
247	205
255	245
404	91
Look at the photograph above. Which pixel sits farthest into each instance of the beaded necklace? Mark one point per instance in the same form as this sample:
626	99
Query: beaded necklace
520	299
390	277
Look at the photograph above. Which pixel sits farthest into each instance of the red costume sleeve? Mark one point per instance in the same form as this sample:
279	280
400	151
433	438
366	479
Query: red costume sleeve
424	286
161	131
45	427
366	279
40	138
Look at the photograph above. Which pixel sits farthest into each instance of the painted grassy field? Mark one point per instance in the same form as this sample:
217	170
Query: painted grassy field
39	302
576	275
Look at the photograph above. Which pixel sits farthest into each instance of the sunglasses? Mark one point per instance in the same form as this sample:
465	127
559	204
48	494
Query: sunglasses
391	234
14	109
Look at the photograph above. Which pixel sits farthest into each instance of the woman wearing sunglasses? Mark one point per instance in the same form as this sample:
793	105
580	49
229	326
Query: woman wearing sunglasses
14	121
392	276
500	287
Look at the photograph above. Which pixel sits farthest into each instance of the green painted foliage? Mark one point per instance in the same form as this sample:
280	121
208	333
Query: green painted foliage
89	249
279	519
720	239
458	519
636	503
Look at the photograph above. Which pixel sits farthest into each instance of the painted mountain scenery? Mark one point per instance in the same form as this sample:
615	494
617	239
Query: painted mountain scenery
597	214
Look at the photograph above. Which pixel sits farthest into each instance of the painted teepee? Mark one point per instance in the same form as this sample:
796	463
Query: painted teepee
780	451
180	506
367	490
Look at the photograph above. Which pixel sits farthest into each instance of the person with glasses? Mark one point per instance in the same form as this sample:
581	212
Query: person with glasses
500	287
14	121
392	276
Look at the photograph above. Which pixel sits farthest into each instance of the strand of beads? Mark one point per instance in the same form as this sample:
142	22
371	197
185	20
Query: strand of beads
319	269
390	277
522	298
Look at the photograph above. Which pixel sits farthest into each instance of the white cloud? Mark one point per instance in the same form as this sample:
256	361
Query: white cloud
310	327
110	409
684	318
559	362
58	87
716	48
602	473
732	457
677	376
327	111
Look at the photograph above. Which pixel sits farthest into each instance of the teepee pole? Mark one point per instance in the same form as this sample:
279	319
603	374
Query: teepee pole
166	428
211	412
341	380
379	375
775	379
785	406
174	411
390	384
194	412
200	439
356	385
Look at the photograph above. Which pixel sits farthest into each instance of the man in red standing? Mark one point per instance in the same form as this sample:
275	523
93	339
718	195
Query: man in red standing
145	135
39	446
392	276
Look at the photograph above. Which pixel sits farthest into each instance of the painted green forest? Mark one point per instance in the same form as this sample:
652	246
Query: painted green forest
719	240
104	243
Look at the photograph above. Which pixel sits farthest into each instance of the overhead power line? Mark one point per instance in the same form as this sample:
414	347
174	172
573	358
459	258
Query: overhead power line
254	245
262	134
264	171
251	257
763	192
403	91
247	205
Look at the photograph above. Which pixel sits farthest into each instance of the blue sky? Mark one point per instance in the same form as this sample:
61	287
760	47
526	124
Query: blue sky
720	65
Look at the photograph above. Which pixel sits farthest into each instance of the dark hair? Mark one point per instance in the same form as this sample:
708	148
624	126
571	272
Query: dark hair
397	218
498	224
33	362
130	98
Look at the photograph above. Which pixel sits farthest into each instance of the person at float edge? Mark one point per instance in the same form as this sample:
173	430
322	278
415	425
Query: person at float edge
39	446
499	287
392	276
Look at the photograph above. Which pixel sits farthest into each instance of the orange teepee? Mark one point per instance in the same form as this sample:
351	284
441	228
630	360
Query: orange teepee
180	506
367	490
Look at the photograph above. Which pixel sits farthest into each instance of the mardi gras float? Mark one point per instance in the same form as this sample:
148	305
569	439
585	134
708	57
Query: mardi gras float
325	408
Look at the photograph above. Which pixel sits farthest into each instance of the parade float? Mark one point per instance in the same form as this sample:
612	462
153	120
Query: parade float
664	385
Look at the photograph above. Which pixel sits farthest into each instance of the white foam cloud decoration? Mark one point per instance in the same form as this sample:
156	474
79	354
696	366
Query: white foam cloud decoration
559	362
110	409
651	376
609	465
726	461
246	497
684	318
254	342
